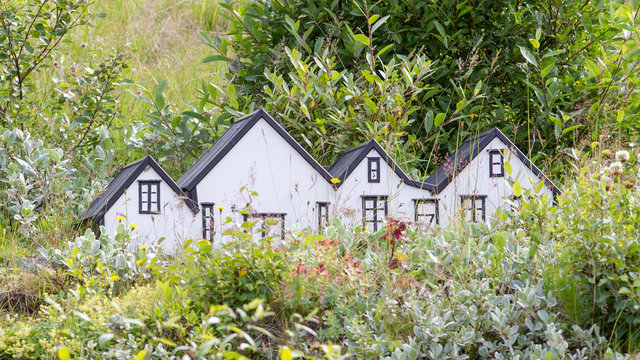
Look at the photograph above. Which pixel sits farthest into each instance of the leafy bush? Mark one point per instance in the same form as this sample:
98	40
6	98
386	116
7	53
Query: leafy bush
549	74
598	233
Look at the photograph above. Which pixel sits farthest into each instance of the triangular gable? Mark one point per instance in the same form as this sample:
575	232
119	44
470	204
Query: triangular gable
349	160
123	181
227	141
468	150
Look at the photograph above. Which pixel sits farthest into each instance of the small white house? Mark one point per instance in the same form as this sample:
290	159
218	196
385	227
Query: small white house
145	195
257	171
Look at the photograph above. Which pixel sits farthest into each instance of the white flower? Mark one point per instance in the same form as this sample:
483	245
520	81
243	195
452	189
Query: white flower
622	156
615	168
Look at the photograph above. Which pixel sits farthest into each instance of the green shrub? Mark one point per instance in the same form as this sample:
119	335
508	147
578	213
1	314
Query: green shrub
598	232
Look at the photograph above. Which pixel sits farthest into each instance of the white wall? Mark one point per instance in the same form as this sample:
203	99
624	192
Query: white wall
263	162
400	195
475	180
176	222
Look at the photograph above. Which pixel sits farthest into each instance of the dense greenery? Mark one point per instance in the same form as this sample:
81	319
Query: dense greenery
548	73
520	286
77	101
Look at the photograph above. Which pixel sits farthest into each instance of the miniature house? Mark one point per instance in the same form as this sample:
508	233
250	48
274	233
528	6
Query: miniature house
257	171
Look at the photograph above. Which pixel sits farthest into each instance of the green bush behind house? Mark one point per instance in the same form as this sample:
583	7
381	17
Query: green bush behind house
551	73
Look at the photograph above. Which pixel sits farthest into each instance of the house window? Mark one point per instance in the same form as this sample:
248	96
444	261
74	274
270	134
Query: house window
323	214
427	211
496	163
270	224
374	209
207	221
374	169
474	206
149	197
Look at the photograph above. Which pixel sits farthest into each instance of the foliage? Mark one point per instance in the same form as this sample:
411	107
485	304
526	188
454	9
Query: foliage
106	262
330	110
598	231
549	73
30	33
30	173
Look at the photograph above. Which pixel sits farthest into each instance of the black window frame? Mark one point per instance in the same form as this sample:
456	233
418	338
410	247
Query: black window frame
376	198
322	222
492	154
370	162
210	207
264	216
474	207
435	217
149	184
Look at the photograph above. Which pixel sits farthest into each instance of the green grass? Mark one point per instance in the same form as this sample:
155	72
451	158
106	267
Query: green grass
164	41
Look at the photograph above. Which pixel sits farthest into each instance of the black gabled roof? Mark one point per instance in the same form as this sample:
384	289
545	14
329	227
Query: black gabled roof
122	181
468	150
350	159
227	141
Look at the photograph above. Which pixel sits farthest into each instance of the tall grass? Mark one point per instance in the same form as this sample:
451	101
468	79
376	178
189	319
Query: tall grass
164	40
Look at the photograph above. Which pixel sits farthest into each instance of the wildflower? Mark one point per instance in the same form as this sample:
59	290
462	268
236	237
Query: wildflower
620	243
114	277
133	226
140	261
335	181
594	144
90	257
615	168
577	82
144	247
606	152
120	218
220	208
242	271
622	156
471	116
83	45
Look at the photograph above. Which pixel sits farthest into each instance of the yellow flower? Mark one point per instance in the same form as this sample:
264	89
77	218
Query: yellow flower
620	243
90	257
472	116
140	261
143	247
114	277
133	226
242	272
120	218
335	181
220	208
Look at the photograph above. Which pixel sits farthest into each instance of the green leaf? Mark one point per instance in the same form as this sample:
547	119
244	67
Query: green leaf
478	87
535	43
507	168
160	88
213	58
592	67
439	119
362	39
620	116
528	56
384	50
285	353
63	354
142	354
104	339
571	128
373	19
517	189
